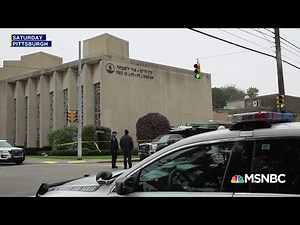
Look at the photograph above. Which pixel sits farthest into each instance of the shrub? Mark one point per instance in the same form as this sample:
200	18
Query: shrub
150	126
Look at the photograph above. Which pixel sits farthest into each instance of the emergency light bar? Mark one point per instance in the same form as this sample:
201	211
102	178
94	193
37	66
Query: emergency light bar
259	116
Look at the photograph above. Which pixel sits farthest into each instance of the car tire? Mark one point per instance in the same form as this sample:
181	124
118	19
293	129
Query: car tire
18	162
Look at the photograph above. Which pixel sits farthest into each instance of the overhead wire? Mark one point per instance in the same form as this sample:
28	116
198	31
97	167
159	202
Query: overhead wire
241	46
243	39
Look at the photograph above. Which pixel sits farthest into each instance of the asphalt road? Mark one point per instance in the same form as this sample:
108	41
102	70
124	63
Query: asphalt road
24	180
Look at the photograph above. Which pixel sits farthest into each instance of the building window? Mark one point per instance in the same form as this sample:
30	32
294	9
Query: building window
15	120
97	103
65	93
51	110
38	121
81	105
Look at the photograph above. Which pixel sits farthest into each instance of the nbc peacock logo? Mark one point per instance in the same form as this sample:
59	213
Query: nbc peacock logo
237	179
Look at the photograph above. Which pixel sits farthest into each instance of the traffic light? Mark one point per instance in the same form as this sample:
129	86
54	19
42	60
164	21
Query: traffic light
197	71
69	116
75	115
280	103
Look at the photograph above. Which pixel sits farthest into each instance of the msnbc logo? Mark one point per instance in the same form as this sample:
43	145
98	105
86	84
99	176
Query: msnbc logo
237	179
258	178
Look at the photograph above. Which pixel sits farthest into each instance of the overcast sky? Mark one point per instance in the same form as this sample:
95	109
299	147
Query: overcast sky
227	64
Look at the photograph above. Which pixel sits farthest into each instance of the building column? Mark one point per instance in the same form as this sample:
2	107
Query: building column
32	113
20	113
44	110
88	95
58	117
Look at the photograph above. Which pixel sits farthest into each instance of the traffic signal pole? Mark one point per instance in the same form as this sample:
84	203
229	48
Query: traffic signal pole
79	98
279	63
281	91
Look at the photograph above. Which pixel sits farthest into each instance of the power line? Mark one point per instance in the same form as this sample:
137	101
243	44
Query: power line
263	34
269	31
241	46
229	42
273	43
243	38
290	58
254	34
282	38
289	42
225	54
290	51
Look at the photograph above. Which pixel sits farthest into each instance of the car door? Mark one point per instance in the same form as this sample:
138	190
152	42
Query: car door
269	167
196	170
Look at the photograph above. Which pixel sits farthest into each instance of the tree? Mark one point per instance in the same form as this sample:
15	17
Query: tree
252	92
150	126
223	94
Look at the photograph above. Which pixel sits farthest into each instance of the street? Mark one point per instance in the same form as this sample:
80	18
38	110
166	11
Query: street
24	180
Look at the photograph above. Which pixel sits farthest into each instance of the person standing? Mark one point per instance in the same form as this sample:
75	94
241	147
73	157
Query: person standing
113	148
126	144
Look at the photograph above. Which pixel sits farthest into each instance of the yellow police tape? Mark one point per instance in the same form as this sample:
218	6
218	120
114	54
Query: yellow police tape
76	142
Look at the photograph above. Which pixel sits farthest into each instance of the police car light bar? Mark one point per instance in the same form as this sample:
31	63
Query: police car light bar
265	116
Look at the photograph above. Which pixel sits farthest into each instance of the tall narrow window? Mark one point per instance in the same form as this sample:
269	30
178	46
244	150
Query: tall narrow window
65	93
26	118
15	119
82	105
51	111
97	103
38	121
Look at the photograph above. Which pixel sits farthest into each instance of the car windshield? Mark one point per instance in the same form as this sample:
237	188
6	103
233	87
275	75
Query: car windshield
162	138
4	144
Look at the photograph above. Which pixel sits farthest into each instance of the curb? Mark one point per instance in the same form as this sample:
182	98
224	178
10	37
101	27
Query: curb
65	161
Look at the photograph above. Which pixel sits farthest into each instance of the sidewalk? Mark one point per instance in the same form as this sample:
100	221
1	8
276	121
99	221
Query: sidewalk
33	160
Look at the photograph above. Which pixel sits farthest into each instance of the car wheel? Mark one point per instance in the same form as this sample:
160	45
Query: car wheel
18	162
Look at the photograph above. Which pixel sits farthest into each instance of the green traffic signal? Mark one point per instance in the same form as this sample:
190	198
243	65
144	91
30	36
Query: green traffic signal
197	71
197	76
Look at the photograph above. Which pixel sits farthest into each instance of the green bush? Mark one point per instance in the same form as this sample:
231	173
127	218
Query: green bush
66	138
58	138
150	126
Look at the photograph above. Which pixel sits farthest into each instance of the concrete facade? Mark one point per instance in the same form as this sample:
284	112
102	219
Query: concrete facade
116	92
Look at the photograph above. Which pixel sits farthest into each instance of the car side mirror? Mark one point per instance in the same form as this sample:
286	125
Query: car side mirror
104	177
171	142
125	185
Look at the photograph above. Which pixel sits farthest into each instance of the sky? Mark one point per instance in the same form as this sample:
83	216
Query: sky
181	47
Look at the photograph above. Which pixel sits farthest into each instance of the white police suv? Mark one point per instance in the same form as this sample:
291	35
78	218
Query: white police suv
9	153
258	156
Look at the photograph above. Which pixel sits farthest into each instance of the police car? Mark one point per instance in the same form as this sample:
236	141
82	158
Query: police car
258	156
9	153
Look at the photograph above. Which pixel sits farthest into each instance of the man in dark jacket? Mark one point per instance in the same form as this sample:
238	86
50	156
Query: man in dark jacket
113	147
126	144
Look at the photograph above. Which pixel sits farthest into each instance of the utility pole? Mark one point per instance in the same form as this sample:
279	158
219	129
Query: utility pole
79	99
279	63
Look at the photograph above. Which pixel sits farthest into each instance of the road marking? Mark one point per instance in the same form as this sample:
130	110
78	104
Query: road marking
50	162
79	161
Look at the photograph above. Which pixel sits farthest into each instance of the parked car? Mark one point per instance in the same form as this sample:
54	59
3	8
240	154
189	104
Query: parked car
9	153
158	143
